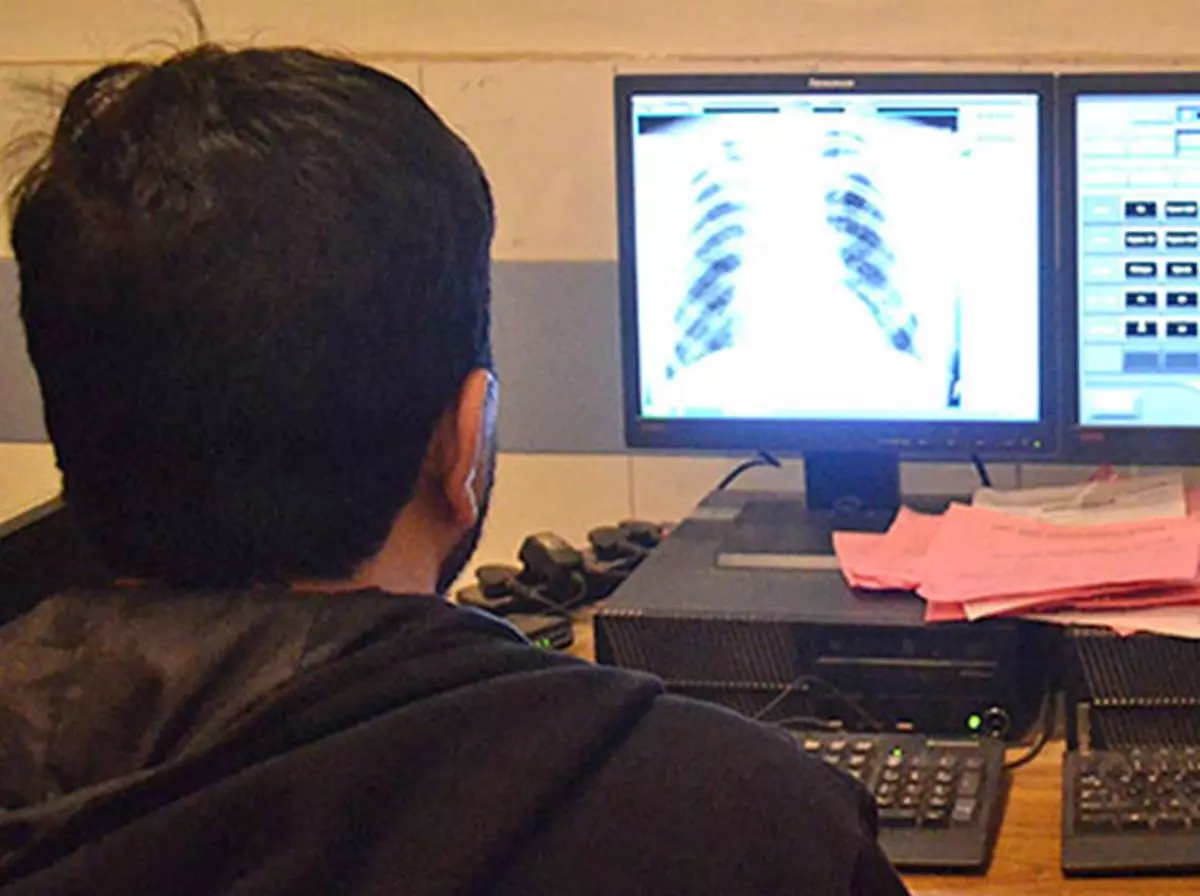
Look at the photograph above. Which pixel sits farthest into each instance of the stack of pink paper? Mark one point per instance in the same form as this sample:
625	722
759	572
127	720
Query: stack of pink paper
972	563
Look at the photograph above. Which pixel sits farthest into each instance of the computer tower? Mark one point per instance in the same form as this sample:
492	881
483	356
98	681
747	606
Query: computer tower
1122	693
796	645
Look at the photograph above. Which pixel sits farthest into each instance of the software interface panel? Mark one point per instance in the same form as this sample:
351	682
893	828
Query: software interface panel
1138	164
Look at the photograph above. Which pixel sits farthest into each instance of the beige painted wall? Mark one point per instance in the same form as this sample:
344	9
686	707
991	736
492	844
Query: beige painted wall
1015	30
528	83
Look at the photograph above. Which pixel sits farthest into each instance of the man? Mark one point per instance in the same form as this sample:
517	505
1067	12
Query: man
256	290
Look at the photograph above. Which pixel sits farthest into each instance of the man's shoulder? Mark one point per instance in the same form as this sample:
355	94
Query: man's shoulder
696	798
671	748
746	759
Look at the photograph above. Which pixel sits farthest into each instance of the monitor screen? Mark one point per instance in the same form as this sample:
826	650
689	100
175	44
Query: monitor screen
835	262
1132	255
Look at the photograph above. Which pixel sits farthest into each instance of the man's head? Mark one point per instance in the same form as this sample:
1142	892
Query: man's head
256	291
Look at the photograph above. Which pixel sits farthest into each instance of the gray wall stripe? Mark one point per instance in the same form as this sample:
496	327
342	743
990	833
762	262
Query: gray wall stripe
555	333
556	336
20	406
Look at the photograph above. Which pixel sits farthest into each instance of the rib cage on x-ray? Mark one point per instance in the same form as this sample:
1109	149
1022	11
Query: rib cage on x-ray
706	318
853	209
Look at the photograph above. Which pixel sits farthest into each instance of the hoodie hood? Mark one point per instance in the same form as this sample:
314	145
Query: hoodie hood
200	743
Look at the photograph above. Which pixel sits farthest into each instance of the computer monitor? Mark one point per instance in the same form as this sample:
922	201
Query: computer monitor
1131	266
856	269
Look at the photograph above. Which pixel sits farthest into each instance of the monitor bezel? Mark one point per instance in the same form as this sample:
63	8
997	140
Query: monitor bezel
1105	444
916	440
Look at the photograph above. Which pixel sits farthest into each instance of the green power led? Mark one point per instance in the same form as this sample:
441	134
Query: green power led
974	722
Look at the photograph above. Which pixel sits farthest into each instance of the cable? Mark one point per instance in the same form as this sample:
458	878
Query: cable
534	594
783	694
762	459
801	685
579	580
1042	738
809	722
981	469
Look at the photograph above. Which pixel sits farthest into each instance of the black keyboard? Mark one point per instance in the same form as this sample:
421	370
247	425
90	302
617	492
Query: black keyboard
1134	811
940	801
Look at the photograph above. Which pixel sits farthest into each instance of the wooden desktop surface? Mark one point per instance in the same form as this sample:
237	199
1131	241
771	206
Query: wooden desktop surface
29	484
1026	861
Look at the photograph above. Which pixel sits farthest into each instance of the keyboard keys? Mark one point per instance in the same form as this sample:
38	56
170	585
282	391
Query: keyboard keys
1134	821
1123	800
923	789
964	810
936	818
914	786
1170	822
898	818
969	784
1094	823
1137	792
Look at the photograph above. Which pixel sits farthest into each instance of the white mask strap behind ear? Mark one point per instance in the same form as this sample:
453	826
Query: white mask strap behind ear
487	436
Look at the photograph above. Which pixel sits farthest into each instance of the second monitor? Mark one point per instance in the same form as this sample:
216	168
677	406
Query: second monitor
1131	240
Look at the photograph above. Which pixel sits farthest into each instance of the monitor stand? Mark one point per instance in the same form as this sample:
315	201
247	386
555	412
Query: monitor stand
844	492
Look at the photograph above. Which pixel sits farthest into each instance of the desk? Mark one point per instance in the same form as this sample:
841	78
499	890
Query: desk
29	485
41	552
1026	861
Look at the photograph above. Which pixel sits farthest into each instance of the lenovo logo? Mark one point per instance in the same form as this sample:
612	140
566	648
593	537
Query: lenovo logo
831	83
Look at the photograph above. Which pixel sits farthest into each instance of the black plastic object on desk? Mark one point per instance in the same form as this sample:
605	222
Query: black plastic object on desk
940	801
555	577
738	636
1131	776
1134	811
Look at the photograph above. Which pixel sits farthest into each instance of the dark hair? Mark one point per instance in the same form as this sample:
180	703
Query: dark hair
251	283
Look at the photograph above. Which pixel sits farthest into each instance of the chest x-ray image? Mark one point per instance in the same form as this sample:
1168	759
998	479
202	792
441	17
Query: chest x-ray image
813	265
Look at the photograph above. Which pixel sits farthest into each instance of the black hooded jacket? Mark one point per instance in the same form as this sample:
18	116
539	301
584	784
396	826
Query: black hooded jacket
269	743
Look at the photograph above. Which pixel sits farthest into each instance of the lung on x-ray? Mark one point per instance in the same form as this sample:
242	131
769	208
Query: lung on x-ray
801	263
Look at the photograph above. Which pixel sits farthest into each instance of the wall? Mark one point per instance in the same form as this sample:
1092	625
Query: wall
528	83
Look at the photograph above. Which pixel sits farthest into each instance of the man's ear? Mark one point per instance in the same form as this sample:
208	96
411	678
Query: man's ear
462	444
